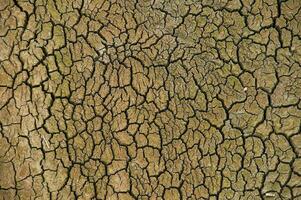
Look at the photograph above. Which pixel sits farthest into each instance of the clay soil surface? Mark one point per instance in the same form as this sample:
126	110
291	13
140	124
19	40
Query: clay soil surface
150	99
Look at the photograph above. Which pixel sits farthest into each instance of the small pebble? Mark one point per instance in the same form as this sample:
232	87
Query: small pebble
270	194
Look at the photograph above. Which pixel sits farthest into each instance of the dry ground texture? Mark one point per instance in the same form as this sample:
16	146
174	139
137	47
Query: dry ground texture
150	99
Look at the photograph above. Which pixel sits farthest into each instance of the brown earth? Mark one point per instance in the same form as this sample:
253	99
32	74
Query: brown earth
150	99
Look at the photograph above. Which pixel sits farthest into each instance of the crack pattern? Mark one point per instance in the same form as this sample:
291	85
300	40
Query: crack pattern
151	99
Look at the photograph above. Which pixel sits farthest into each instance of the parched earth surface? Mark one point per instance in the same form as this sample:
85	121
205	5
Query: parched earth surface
150	99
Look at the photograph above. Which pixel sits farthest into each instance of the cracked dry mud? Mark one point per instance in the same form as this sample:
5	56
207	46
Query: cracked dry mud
150	99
